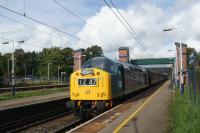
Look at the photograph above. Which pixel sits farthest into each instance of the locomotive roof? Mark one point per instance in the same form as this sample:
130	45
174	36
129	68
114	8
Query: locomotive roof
125	65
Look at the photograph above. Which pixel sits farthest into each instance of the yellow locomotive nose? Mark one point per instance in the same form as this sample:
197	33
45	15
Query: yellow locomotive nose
90	84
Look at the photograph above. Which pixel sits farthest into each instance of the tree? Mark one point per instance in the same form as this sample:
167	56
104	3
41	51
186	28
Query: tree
31	63
50	55
1	65
93	51
67	54
57	57
2	68
198	59
20	59
37	62
7	57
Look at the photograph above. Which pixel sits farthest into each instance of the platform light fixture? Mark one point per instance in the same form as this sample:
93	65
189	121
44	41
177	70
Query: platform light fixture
181	61
48	70
13	62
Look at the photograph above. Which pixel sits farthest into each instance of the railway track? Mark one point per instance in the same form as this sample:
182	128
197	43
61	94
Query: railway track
32	118
69	126
20	118
123	106
136	96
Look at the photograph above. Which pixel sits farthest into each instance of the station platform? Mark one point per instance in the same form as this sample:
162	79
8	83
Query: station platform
148	114
32	100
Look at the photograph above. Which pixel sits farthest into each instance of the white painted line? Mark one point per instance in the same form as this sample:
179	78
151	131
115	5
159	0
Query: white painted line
105	112
131	116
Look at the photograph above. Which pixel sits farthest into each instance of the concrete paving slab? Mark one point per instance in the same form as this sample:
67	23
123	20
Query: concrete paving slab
31	100
110	120
152	118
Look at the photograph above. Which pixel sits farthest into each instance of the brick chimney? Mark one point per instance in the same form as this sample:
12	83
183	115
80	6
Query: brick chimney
124	54
79	59
184	58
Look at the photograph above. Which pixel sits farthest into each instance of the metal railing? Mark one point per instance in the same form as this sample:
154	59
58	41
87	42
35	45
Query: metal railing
21	81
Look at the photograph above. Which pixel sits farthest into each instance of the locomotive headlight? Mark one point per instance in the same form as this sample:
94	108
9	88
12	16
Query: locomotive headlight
87	71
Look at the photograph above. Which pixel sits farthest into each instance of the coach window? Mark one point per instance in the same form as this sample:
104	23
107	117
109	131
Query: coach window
115	69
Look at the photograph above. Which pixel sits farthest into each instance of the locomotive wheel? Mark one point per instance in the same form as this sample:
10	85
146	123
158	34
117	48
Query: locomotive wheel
100	107
83	114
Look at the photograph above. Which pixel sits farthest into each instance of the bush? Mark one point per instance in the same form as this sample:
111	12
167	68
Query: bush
184	114
198	79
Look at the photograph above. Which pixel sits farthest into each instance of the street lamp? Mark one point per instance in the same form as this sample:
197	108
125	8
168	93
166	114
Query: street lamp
24	65
169	29
59	74
181	63
48	69
175	69
62	73
170	50
13	64
8	64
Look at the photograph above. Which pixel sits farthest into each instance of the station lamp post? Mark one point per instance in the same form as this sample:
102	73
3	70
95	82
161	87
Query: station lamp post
181	63
59	74
175	66
24	65
8	62
62	73
13	63
48	69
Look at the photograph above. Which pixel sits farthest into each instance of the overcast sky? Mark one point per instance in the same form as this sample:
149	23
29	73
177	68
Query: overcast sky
147	17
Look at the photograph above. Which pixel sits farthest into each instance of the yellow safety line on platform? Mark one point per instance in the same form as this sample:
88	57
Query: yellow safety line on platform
137	111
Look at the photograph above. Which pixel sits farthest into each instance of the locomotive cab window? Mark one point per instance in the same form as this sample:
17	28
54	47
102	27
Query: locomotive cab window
95	63
111	67
103	63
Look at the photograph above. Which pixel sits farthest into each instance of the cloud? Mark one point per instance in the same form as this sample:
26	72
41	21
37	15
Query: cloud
148	20
2	2
35	40
103	28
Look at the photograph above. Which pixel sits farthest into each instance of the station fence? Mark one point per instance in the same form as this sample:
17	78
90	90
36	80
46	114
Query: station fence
194	83
29	81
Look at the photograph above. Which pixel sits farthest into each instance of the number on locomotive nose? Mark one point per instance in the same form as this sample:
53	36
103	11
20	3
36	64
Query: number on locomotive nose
87	82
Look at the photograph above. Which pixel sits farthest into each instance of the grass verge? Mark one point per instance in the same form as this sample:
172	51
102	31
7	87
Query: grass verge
184	114
22	94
